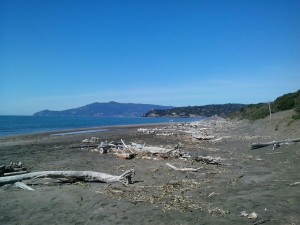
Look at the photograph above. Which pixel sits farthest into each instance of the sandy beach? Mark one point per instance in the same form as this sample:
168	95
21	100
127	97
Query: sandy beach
263	181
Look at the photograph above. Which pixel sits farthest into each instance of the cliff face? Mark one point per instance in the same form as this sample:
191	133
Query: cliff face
109	109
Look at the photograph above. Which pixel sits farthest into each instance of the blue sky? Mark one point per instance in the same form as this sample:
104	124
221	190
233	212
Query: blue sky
64	54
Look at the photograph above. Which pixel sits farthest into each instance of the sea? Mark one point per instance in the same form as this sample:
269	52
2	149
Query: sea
18	125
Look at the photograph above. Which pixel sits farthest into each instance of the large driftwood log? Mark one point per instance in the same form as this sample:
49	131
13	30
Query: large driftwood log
82	175
274	143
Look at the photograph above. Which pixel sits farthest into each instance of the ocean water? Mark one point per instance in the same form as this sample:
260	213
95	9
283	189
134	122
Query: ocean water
15	125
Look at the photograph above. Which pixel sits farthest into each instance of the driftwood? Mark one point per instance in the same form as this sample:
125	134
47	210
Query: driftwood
14	173
182	169
103	147
127	147
93	140
128	151
135	148
124	151
81	175
174	153
23	186
274	143
12	169
124	144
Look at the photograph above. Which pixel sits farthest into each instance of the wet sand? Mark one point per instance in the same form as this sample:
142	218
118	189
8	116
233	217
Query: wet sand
263	181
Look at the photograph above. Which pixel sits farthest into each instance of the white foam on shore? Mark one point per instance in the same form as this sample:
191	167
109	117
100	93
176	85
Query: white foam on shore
78	132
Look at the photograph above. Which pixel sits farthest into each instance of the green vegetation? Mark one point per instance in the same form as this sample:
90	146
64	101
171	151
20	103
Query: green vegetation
297	106
197	111
257	111
253	112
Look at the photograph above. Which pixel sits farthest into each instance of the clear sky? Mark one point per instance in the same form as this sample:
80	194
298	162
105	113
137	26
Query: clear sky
60	54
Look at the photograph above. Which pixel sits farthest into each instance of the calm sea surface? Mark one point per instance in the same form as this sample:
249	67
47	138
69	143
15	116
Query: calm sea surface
14	125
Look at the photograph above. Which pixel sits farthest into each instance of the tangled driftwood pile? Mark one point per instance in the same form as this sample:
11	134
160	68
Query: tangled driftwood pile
204	130
125	151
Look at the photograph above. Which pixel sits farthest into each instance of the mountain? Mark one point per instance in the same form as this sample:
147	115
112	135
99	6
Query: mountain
196	111
109	109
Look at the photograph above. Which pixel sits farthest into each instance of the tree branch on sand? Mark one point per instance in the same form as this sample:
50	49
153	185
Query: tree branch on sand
274	143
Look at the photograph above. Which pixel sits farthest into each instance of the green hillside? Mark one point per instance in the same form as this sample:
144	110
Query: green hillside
261	110
197	111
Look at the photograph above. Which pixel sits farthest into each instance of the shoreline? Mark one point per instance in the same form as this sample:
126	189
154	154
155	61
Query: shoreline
96	128
60	130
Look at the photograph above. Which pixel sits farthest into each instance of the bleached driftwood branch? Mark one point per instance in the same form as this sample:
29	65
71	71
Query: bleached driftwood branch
14	173
274	143
182	169
82	175
124	144
23	186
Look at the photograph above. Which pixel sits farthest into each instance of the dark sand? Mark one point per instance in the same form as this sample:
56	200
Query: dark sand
261	181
